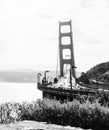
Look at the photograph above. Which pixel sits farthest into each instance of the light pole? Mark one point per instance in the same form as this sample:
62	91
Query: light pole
71	77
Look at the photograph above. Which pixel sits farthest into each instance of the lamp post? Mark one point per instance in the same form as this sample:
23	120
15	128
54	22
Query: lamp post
45	76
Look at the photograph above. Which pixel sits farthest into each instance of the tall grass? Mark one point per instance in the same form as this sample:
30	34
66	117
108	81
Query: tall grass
85	112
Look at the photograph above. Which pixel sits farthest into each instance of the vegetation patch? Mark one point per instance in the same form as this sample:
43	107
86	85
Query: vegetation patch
99	72
87	113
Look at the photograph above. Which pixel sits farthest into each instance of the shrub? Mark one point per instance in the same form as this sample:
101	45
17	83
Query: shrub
78	113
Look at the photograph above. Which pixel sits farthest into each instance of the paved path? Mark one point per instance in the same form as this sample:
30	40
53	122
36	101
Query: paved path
33	125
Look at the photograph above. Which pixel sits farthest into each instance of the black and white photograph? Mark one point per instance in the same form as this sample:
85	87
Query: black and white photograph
54	65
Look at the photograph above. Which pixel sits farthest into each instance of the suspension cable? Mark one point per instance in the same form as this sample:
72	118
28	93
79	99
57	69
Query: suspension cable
57	62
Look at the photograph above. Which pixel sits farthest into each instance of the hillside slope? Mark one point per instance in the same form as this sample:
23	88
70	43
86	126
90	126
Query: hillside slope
99	72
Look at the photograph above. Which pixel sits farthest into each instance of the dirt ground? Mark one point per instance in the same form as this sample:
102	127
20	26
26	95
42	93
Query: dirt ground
34	125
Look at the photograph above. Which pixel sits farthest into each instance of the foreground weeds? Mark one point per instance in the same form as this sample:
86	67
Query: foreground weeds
79	113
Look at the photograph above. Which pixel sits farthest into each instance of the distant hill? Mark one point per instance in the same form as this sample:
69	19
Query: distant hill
24	75
18	77
99	72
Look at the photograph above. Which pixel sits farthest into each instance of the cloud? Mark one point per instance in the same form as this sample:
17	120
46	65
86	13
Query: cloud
87	3
44	16
29	31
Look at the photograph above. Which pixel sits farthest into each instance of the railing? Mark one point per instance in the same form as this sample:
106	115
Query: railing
44	80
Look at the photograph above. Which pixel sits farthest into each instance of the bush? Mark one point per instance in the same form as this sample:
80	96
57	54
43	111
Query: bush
85	115
78	113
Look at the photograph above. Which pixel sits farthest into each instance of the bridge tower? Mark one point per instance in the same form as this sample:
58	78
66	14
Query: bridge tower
66	52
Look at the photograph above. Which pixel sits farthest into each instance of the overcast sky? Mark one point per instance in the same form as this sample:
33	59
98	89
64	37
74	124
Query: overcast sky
29	32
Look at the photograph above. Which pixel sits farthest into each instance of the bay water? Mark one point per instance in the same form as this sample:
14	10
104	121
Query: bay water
19	92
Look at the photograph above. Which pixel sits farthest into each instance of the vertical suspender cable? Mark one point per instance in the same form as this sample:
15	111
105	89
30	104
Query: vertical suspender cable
57	62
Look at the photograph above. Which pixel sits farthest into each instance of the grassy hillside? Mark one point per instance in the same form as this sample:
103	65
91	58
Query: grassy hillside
99	72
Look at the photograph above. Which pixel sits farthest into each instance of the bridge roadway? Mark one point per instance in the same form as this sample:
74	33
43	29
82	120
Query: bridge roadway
63	93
